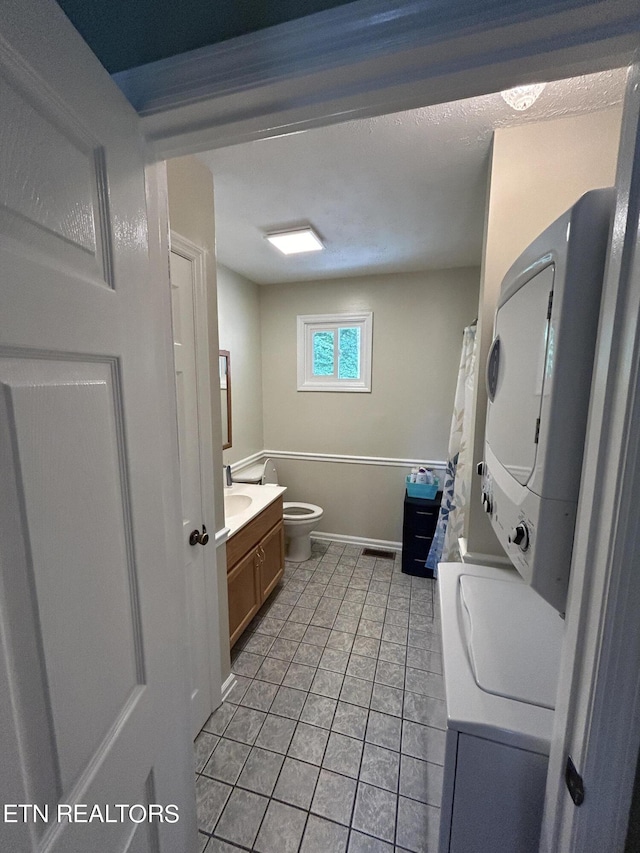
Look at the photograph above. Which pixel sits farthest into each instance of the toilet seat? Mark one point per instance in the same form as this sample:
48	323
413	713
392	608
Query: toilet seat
296	512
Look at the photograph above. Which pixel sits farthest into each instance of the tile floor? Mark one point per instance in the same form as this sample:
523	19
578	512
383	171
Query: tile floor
333	738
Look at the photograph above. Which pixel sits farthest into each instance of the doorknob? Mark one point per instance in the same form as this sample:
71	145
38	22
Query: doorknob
198	538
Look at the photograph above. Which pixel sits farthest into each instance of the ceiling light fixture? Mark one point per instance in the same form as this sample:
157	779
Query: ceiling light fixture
296	241
522	97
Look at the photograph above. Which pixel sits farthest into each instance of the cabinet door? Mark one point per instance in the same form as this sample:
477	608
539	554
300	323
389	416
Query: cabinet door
244	594
271	550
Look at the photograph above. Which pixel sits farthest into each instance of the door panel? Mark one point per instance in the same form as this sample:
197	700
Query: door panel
93	694
62	428
63	211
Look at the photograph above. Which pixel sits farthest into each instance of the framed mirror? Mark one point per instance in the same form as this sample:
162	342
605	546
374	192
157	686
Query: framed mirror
224	369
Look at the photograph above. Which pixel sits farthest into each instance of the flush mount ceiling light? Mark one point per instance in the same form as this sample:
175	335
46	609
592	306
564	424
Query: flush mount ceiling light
296	241
522	97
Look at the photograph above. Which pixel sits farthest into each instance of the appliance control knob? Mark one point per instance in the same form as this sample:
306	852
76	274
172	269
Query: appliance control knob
488	506
480	468
520	536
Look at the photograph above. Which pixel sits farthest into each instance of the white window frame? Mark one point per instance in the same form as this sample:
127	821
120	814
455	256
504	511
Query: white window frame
310	323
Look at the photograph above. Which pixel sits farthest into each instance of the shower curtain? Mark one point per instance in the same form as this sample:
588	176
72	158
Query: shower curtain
457	481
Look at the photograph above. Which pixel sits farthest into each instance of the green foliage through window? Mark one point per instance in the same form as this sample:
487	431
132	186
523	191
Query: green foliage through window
349	353
324	355
334	351
323	346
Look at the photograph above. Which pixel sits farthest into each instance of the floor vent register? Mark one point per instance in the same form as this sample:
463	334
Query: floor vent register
379	553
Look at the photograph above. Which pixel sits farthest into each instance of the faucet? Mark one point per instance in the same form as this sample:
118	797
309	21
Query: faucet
227	474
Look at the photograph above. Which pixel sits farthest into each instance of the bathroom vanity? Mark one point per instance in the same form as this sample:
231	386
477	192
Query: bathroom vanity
255	552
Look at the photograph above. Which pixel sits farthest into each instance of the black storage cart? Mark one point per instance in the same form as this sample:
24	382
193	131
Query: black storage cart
420	519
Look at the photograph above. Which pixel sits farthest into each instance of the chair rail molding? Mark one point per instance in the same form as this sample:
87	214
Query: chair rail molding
379	461
241	464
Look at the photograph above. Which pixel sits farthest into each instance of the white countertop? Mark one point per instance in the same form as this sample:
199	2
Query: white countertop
261	497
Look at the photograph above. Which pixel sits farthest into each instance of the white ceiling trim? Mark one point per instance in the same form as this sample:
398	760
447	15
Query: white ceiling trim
367	58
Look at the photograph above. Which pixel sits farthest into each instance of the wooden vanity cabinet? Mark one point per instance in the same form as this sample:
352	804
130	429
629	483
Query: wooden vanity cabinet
243	587
255	564
272	565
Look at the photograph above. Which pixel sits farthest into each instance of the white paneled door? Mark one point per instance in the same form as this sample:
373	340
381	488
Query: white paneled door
188	303
93	693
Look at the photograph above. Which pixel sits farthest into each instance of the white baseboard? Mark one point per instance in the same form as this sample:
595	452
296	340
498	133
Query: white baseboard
357	540
228	686
221	536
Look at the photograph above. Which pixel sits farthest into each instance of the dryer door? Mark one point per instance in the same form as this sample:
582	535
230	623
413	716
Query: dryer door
520	361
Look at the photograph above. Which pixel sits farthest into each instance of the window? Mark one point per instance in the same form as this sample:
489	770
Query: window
334	352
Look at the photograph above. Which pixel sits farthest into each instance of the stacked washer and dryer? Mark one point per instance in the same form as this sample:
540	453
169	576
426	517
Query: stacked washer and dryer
502	628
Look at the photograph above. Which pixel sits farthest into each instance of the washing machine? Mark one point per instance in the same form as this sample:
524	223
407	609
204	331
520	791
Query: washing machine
501	645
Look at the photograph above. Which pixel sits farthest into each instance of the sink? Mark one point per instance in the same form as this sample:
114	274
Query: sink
244	501
233	504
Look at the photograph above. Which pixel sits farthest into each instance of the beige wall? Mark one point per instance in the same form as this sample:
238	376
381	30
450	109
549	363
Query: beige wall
418	320
537	172
190	188
239	332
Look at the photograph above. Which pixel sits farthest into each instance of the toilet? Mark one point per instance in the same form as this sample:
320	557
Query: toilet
299	518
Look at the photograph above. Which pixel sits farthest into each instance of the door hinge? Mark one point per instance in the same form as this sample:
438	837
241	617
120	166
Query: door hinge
574	782
550	305
535	440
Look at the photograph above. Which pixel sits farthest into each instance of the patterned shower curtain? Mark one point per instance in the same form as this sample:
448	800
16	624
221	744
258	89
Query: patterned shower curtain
457	481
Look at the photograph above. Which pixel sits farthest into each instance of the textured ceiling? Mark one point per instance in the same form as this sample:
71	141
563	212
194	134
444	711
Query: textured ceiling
402	192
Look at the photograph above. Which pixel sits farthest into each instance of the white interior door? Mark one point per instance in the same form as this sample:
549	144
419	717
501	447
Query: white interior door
194	436
93	694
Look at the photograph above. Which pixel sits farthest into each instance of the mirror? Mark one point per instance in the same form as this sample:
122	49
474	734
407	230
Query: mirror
224	369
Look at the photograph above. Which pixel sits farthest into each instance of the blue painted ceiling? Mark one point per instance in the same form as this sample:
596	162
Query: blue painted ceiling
127	33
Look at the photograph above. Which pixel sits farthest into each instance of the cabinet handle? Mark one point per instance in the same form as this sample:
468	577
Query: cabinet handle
417	536
418	512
